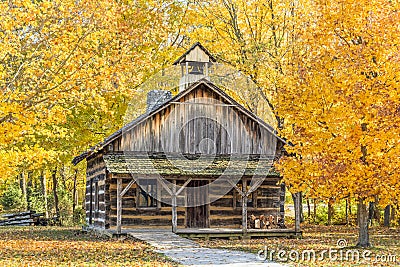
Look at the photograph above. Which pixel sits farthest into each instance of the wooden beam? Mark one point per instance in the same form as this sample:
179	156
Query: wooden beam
206	104
119	205
174	195
255	185
174	213
244	214
237	188
161	181
183	186
127	187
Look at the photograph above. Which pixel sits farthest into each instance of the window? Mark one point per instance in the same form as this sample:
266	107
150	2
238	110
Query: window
147	193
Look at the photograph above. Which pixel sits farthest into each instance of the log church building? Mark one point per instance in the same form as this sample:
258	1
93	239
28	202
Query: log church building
149	173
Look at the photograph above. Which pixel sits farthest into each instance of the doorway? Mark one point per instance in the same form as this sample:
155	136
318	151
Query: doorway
197	215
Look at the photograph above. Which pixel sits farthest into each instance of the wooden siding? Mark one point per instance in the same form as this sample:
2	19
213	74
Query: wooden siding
184	126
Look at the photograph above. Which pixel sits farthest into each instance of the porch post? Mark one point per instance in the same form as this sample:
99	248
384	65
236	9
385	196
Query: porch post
174	215
119	205
245	195
244	213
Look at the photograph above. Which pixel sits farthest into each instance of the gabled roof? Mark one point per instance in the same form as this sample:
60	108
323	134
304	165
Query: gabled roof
145	116
212	58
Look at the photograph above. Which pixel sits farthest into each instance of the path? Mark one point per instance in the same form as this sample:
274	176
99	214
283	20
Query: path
189	253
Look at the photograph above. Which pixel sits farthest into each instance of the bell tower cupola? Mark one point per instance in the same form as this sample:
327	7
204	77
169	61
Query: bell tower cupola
195	65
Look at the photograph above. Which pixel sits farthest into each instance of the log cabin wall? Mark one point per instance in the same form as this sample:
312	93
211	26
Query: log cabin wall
227	211
95	201
134	215
224	212
200	114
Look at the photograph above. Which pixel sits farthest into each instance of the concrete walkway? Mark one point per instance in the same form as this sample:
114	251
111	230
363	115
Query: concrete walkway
189	253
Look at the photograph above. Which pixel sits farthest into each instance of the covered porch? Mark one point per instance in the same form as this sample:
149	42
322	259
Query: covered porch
175	183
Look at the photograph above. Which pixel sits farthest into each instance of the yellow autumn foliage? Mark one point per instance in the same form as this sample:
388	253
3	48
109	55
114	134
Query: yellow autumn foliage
341	104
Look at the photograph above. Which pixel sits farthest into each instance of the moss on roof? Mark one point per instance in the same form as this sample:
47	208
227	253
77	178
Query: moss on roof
188	165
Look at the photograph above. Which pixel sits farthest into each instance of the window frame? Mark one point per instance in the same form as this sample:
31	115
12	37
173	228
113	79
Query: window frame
155	190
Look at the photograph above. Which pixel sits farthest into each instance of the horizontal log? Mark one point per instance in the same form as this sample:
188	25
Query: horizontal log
147	218
228	212
20	224
15	222
19	217
113	186
136	222
226	217
138	212
267	203
226	222
223	202
268	192
99	176
19	213
276	198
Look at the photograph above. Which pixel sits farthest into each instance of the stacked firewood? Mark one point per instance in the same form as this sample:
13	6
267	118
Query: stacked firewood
266	222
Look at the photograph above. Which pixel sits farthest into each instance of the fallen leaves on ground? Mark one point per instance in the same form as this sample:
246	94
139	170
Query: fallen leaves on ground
384	241
51	246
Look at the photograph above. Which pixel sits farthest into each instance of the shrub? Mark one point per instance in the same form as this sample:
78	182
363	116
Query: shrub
79	217
12	199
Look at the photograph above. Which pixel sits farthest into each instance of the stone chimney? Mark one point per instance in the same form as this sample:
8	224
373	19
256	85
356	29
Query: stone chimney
156	98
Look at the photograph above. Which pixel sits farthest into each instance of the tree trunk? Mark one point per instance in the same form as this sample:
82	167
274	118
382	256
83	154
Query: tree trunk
55	184
386	221
392	213
358	216
43	187
363	223
22	183
330	212
308	210
350	212
347	211
29	188
315	210
371	212
297	211
301	207
74	197
63	178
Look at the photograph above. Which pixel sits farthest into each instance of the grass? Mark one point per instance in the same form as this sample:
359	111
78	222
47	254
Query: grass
384	241
55	246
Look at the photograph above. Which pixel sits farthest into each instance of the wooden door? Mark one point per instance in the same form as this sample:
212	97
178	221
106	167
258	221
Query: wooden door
197	216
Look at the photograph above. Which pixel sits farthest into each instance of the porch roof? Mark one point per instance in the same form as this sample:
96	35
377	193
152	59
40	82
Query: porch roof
186	165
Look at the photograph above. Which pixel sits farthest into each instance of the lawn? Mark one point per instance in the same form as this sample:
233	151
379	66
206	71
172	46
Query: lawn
386	245
55	246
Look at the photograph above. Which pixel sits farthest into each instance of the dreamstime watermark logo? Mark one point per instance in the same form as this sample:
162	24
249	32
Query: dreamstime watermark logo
196	137
340	253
